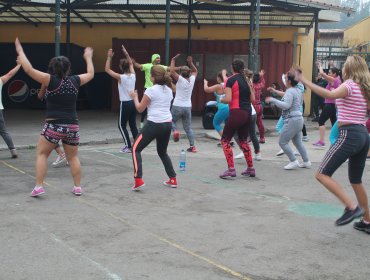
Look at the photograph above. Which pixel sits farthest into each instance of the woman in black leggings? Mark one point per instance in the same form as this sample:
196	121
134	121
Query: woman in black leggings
158	126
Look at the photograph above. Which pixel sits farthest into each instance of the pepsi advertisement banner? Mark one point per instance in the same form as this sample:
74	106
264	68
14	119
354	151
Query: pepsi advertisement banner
21	91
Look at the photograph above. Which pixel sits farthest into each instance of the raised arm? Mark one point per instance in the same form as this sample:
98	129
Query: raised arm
173	68
129	60
323	74
5	78
339	92
108	68
137	65
87	77
194	70
41	77
217	88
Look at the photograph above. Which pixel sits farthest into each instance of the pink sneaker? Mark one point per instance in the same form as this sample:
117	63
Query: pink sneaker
37	191
319	144
77	191
249	172
229	173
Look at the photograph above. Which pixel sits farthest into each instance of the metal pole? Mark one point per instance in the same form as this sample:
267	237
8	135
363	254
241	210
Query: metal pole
68	30
57	27
251	31
257	36
167	32
315	38
190	10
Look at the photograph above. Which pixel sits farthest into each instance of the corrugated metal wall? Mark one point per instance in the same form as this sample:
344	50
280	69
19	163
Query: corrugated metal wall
275	58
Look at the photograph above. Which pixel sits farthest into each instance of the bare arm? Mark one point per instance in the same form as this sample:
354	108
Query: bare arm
194	70
227	98
215	88
87	77
108	69
130	62
41	77
140	106
5	78
323	74
42	92
173	68
339	92
137	65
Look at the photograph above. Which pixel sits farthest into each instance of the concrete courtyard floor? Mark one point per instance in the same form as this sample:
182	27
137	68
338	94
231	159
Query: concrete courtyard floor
278	225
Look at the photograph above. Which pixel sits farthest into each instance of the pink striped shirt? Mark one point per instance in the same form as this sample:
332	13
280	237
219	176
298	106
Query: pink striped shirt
352	108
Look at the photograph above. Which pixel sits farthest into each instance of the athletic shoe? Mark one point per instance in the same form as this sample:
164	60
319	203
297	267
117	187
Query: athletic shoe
138	184
59	162
13	153
77	191
349	215
126	150
176	136
37	191
239	156
292	165
319	144
305	164
258	156
262	140
172	182
228	174
362	226
192	149
305	138
280	153
249	172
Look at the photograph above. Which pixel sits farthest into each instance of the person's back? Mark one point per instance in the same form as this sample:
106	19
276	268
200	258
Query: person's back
184	90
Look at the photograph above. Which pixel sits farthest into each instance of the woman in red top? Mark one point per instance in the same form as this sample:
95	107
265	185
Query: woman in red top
238	94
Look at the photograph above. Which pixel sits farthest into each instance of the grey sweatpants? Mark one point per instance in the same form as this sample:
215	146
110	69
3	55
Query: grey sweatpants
183	113
4	133
292	130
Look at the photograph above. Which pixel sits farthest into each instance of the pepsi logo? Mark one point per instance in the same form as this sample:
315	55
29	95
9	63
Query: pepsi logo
18	91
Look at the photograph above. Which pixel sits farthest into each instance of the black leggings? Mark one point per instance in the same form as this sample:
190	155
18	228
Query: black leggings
352	144
127	113
161	132
304	130
329	111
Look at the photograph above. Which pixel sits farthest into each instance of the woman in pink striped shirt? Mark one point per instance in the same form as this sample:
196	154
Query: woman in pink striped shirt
352	100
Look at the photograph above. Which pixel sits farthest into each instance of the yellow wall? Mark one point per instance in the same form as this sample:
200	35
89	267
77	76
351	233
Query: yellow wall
100	37
358	33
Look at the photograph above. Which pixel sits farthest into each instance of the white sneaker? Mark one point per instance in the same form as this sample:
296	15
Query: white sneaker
280	153
60	162
306	164
258	157
238	156
305	138
292	165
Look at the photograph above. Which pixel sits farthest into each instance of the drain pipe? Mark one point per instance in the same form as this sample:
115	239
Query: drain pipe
295	43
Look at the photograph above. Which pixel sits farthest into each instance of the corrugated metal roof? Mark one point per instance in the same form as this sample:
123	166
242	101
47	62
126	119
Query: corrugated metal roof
227	12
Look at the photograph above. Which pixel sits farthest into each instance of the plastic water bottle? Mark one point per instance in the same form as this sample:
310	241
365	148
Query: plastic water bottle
182	161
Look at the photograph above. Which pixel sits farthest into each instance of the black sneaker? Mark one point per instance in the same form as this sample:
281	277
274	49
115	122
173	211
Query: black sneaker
349	215
362	226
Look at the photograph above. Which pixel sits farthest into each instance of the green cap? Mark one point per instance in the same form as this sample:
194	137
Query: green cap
155	56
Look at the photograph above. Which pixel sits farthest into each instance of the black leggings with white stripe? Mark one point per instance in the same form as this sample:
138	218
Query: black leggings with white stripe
352	144
127	113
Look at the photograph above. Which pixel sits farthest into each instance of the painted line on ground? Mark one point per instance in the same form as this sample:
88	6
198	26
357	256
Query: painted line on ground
156	236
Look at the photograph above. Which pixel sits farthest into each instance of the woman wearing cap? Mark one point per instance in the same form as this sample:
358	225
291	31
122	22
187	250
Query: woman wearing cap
156	60
61	123
181	107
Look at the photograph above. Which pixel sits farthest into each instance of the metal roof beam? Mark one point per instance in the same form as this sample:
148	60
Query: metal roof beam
195	19
4	8
138	19
81	18
22	16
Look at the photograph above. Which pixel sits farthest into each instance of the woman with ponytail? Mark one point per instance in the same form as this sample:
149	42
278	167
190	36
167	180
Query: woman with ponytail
239	95
352	99
158	126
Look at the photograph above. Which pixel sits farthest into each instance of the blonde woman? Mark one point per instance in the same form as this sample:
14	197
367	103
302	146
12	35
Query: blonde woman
352	100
